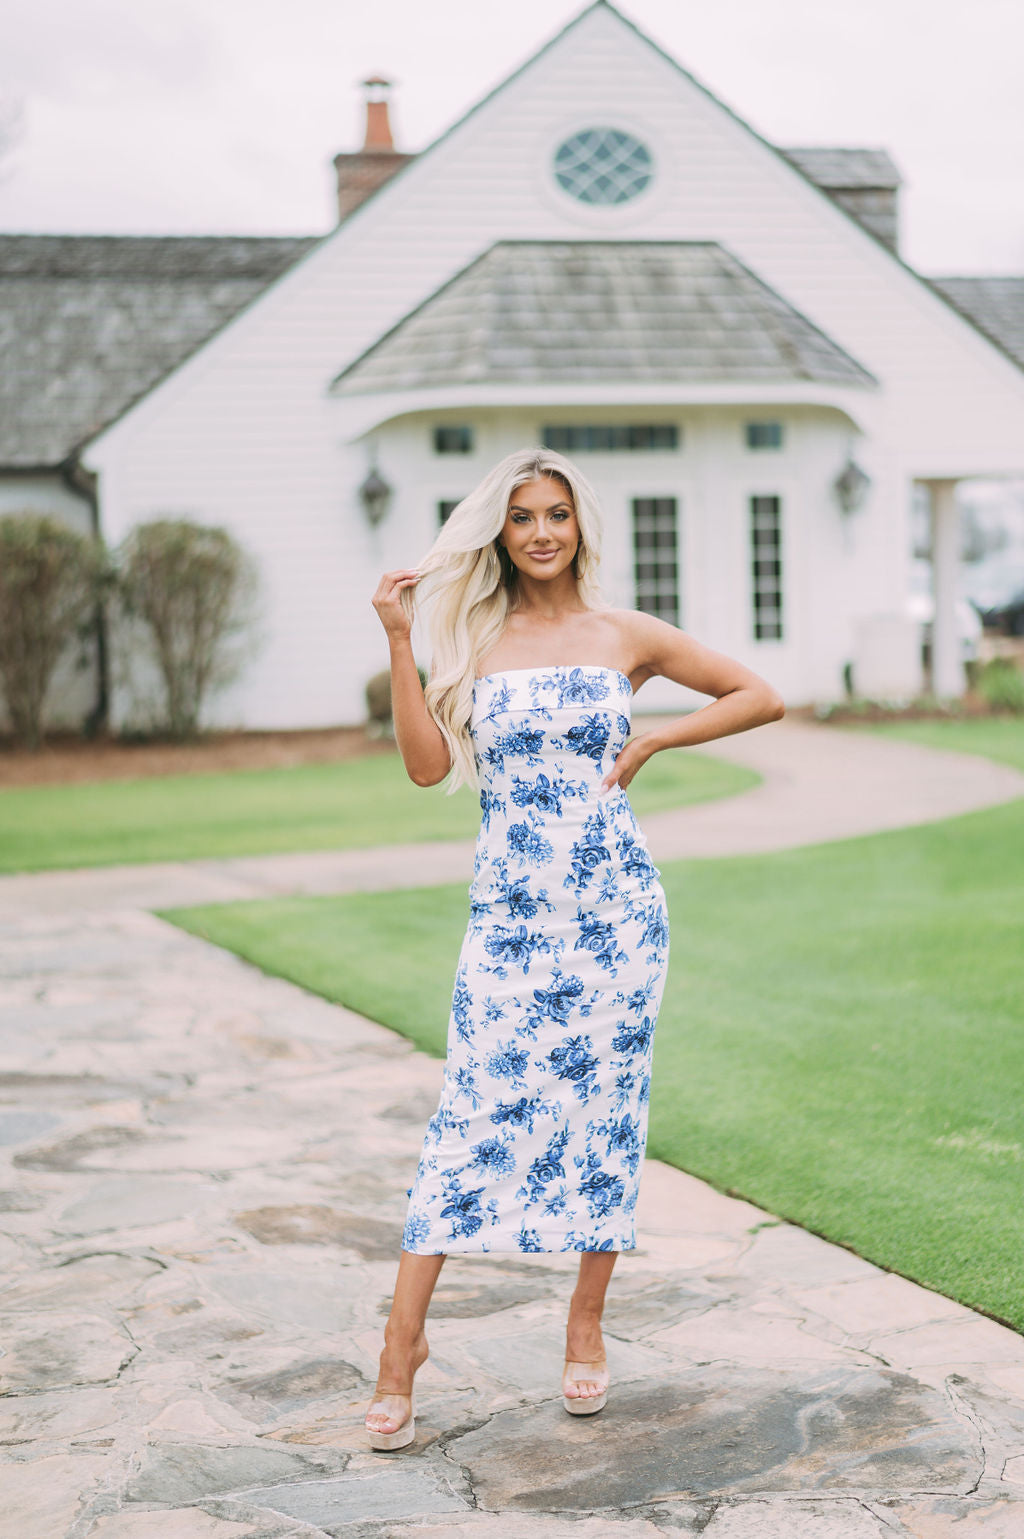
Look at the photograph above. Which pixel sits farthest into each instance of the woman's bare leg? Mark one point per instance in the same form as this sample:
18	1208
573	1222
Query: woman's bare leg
583	1340
405	1342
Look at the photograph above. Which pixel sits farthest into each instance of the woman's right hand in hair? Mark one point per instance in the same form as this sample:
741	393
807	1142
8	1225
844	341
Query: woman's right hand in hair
387	601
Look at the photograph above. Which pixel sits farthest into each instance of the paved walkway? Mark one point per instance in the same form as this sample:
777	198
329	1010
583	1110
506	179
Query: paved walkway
202	1189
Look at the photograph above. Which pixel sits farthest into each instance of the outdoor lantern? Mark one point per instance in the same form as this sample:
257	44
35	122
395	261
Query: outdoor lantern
375	494
851	486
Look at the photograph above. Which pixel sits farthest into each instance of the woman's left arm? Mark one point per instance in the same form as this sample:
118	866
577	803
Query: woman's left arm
743	698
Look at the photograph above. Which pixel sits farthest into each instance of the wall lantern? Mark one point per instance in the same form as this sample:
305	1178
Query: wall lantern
375	495
851	486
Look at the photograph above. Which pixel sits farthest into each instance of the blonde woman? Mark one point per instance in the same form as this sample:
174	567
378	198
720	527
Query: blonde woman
538	1139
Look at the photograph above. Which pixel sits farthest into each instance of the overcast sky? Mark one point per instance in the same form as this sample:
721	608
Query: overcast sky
220	116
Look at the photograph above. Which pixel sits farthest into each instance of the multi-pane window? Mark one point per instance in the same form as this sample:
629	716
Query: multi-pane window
610	437
656	557
764	435
446	507
453	440
603	165
766	567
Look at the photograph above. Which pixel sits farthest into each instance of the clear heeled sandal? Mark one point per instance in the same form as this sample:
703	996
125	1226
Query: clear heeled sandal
585	1405
403	1435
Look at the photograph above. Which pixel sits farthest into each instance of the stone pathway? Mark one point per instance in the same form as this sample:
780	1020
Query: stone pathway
202	1183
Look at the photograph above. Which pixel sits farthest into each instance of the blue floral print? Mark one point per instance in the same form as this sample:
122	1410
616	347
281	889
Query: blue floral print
522	1113
529	844
517	743
623	1134
632	1038
545	1167
600	937
538	1140
544	793
588	853
591	736
514	948
494	1154
602	1189
555	1003
467	1212
575	1062
508	1062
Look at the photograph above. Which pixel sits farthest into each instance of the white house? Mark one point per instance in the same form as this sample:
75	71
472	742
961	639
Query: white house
602	256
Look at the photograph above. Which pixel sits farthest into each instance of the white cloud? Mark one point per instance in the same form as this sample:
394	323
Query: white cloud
90	51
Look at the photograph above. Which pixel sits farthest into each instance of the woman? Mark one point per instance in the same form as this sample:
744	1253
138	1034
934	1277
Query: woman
539	1136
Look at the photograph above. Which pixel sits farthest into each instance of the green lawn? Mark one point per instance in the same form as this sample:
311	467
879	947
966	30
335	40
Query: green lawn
351	805
996	737
841	1039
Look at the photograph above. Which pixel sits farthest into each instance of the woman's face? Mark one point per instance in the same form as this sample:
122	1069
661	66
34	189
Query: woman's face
541	533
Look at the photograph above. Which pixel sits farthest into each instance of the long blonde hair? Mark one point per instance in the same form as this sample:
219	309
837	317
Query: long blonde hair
469	587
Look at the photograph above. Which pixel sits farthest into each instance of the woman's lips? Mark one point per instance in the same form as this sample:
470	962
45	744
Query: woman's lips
542	555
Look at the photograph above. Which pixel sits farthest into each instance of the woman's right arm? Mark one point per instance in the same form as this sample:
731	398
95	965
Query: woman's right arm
423	748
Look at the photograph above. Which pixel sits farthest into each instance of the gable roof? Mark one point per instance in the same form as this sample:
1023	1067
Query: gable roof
994	305
545	312
88	324
799	159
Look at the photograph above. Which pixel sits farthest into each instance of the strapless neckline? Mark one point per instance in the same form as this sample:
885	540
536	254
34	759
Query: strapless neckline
501	673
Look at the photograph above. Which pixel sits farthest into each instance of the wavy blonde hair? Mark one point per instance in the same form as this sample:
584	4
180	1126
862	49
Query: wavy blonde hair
469	587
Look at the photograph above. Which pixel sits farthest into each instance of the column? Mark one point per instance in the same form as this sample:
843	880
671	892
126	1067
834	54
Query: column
947	665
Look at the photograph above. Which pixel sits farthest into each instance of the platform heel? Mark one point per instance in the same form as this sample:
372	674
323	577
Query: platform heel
585	1405
402	1436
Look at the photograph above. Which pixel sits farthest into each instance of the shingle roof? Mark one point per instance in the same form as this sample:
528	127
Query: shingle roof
844	169
535	312
994	305
88	324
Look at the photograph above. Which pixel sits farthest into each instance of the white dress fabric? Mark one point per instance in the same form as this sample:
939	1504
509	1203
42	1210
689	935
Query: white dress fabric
538	1139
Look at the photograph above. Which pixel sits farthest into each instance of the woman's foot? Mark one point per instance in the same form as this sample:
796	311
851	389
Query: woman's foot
585	1375
391	1409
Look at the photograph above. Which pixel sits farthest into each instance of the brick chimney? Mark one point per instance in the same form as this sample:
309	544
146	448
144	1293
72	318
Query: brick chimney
378	160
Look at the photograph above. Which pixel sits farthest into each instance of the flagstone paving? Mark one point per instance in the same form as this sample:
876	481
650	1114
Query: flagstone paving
203	1175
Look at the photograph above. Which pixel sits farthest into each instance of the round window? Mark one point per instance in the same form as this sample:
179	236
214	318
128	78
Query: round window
603	165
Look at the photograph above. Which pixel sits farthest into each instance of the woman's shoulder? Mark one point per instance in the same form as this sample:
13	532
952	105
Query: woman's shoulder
631	627
649	643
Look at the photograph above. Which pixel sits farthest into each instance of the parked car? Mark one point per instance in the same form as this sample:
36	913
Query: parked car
995	587
1006	619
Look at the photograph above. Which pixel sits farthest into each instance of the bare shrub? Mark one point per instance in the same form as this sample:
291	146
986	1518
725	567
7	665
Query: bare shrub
50	579
50	582
193	588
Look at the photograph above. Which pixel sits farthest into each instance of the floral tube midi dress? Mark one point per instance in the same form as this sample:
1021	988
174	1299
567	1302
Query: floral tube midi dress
538	1139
